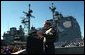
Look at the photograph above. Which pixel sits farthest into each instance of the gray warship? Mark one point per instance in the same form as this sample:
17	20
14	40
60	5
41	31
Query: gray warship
69	33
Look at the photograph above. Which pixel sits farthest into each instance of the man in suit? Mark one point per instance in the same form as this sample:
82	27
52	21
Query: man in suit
50	37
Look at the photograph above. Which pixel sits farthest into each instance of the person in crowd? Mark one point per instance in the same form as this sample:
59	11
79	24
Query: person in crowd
7	50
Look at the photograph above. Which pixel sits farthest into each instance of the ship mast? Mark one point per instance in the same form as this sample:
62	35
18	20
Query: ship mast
52	8
26	21
55	19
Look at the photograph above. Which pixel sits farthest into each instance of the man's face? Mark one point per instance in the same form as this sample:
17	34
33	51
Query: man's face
46	26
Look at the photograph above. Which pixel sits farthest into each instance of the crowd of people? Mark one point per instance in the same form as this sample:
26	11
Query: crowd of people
78	42
10	49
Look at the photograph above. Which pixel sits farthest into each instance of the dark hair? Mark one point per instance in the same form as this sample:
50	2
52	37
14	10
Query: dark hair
32	32
48	23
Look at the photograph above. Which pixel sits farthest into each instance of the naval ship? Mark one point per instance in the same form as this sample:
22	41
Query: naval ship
69	33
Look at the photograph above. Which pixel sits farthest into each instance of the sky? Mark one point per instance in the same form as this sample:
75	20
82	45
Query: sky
12	11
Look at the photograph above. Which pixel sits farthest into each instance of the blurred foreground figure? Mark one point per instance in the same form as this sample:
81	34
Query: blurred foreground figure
35	43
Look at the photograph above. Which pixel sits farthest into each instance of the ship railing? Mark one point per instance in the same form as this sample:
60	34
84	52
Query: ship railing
18	52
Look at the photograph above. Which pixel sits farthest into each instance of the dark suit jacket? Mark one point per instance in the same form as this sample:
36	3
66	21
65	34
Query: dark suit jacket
34	45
